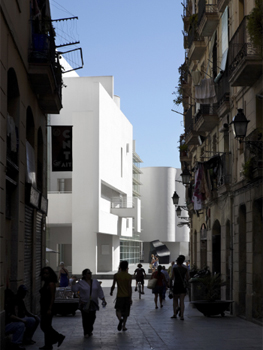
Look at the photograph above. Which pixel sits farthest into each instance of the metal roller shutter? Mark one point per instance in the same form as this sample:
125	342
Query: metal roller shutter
28	250
39	226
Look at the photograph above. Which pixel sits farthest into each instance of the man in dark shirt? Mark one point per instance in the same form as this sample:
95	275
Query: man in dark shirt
139	274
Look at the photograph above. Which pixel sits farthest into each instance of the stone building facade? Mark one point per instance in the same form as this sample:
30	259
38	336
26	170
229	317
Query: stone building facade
30	88
222	73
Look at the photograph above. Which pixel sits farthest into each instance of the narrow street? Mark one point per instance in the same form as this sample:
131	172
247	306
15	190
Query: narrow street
151	329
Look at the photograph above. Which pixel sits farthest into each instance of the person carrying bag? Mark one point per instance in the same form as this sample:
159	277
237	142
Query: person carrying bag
89	291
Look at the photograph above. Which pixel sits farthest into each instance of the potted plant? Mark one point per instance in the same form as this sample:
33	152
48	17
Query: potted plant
248	169
183	150
255	25
193	21
183	89
210	291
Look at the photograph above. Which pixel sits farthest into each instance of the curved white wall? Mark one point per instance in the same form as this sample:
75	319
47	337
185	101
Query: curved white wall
159	219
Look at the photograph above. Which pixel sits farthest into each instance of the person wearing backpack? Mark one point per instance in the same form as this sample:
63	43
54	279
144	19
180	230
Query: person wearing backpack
139	274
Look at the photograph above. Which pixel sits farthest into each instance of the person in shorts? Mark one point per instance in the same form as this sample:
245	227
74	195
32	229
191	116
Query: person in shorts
158	289
139	274
124	294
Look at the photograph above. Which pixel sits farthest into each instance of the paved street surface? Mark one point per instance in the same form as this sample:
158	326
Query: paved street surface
151	329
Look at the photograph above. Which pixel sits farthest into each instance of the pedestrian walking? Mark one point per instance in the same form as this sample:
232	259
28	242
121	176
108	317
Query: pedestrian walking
89	291
170	269
152	262
158	289
179	277
124	294
156	263
139	274
167	279
47	298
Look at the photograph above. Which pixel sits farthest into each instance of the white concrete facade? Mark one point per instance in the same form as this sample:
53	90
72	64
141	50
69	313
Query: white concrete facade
81	200
159	219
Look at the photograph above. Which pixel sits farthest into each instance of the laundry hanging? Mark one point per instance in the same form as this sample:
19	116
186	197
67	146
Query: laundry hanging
205	92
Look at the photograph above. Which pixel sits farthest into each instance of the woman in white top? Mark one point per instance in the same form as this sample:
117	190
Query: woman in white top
88	288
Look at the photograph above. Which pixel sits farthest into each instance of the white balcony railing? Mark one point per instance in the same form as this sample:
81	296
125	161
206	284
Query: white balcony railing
122	202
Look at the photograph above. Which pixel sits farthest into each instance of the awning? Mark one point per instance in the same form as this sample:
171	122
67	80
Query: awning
223	61
48	250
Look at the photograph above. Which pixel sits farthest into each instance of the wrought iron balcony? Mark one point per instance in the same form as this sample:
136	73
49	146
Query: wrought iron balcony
188	120
185	34
245	61
44	68
183	150
196	44
208	18
254	152
206	119
191	136
186	13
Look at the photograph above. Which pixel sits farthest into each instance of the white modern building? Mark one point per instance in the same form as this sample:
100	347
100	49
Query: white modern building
92	208
159	219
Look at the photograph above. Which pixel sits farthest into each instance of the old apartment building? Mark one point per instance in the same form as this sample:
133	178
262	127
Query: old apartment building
221	90
30	88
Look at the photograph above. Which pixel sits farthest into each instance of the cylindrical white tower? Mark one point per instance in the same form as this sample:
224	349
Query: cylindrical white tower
159	220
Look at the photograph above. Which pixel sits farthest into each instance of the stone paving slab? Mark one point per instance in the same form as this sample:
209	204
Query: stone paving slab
151	329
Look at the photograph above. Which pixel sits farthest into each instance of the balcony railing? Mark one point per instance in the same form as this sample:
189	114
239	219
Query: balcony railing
185	34
245	62
185	4
44	68
206	119
188	121
122	202
208	18
254	146
203	8
193	36
206	110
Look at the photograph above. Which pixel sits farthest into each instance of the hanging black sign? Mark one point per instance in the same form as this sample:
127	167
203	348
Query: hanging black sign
61	136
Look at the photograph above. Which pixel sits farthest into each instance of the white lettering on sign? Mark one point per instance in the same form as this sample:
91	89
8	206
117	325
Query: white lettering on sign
66	144
65	134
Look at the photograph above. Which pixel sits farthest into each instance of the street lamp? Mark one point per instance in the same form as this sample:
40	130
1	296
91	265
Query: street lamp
178	211
239	125
175	198
186	176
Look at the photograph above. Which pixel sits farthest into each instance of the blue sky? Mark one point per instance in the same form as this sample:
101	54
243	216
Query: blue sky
140	43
